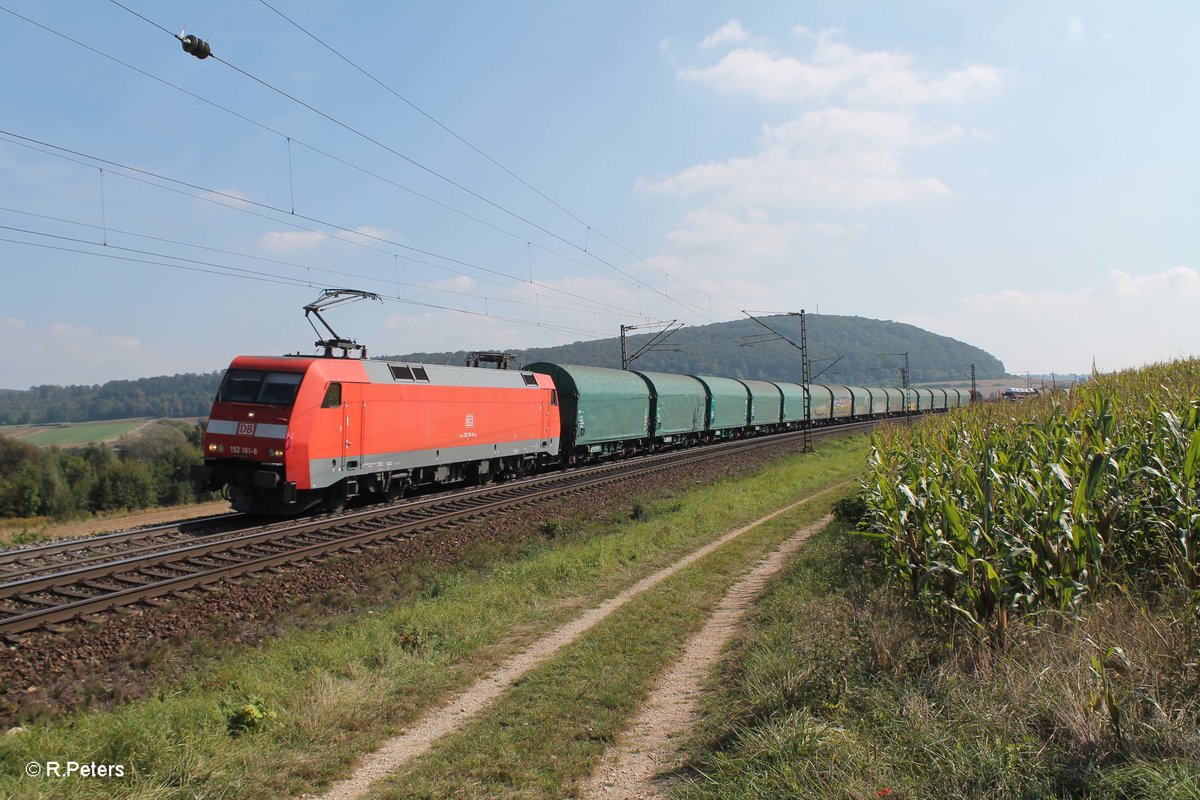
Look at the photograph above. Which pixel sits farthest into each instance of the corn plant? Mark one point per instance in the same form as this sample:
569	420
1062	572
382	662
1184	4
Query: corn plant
1008	508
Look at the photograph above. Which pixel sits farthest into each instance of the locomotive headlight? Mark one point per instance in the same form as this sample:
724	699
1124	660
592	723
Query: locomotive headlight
212	448
250	415
274	454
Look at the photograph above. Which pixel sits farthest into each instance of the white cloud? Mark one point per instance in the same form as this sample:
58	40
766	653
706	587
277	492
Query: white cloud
731	32
837	128
1121	320
291	241
845	155
712	229
800	188
835	69
777	177
1075	31
372	232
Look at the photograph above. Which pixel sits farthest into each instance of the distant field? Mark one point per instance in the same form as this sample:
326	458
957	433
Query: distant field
72	434
990	387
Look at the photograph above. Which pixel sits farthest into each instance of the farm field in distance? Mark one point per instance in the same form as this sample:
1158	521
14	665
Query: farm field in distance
73	434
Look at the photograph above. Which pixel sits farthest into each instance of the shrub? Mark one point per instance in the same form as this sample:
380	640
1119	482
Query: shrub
245	716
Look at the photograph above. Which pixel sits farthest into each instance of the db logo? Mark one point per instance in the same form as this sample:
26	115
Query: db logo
469	421
245	428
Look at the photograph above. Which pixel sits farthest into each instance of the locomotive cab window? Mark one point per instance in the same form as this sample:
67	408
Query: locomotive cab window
554	397
257	386
333	396
529	379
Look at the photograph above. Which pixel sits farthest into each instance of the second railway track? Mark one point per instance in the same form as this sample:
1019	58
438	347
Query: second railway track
94	581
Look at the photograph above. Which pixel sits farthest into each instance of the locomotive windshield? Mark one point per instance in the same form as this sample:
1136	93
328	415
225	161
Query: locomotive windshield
257	386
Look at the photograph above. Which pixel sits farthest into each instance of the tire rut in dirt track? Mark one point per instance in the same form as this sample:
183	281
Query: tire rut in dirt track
648	747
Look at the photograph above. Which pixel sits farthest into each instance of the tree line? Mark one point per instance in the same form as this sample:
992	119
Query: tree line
146	469
186	395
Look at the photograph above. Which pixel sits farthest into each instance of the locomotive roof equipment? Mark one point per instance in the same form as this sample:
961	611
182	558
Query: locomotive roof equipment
328	299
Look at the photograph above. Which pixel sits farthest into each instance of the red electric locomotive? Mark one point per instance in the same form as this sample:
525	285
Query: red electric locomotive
287	433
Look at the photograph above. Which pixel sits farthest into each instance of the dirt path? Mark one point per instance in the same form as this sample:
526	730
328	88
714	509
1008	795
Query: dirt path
649	746
438	722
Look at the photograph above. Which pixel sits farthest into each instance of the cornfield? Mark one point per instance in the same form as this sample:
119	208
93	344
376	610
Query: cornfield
1003	509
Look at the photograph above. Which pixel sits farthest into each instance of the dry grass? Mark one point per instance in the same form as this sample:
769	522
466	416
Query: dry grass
839	690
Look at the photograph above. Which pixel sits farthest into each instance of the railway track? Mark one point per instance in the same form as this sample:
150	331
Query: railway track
25	561
142	566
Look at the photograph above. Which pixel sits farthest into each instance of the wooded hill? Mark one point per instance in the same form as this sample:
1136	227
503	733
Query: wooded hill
718	349
188	395
708	349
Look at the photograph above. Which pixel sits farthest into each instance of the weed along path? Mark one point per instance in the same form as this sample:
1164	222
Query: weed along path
647	748
424	733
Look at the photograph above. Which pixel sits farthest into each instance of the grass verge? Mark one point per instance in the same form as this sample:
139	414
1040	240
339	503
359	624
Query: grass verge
837	691
551	729
290	715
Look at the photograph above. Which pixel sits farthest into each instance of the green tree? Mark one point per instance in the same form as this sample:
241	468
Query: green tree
123	485
20	495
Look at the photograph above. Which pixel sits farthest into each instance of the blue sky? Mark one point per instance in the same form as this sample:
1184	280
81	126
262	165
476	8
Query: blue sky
1020	176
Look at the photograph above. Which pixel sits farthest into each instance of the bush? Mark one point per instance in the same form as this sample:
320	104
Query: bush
245	716
850	510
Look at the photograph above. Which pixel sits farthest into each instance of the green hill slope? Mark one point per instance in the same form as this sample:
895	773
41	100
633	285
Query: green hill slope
717	350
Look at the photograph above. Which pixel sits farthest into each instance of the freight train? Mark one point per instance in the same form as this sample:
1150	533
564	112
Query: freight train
287	434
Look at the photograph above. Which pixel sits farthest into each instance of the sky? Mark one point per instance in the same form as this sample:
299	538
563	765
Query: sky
1020	176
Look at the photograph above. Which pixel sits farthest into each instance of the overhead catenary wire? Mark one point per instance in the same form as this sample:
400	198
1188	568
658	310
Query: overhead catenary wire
292	139
489	158
238	201
308	267
421	111
279	280
698	310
